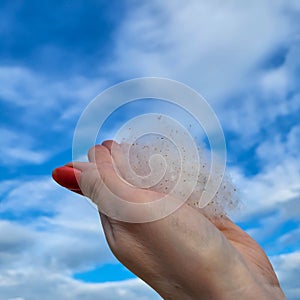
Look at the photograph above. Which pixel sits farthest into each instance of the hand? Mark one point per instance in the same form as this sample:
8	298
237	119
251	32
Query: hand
186	255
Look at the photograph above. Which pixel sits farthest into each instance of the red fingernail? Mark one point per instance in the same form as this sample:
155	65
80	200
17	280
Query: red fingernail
67	177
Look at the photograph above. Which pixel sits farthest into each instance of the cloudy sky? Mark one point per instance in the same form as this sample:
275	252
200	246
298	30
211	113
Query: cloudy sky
56	56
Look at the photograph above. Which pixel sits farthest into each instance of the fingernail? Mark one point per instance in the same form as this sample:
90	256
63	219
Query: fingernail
67	177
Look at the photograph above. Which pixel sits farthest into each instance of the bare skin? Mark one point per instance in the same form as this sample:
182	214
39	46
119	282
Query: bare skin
186	255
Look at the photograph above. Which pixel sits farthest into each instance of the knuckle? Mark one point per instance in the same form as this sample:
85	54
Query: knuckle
92	153
91	183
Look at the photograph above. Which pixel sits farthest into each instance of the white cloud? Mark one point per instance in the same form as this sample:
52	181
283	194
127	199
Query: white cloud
290	237
216	48
278	180
212	46
220	49
19	149
42	108
14	242
63	229
40	284
275	83
25	88
288	269
280	147
273	186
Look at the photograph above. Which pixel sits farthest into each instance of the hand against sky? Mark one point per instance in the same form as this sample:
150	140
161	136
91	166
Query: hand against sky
186	255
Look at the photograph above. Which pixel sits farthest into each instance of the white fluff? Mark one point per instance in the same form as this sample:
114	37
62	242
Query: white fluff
154	162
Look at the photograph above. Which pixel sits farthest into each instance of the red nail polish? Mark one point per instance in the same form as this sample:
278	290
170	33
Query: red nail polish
67	177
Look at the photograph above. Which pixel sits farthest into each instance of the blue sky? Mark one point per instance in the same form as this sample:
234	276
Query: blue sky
56	56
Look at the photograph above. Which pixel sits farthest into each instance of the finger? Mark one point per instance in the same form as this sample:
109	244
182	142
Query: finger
108	144
99	154
68	177
104	173
114	150
100	170
109	153
81	166
120	161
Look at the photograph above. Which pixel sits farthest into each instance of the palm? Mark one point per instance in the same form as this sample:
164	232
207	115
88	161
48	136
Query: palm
251	252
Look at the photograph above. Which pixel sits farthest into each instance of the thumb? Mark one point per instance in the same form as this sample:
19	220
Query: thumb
100	182
115	197
101	172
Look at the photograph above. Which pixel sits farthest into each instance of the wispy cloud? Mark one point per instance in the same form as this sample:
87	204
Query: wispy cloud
288	268
43	113
16	149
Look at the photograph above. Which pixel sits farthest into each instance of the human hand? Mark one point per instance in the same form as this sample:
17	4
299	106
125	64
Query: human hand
186	255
